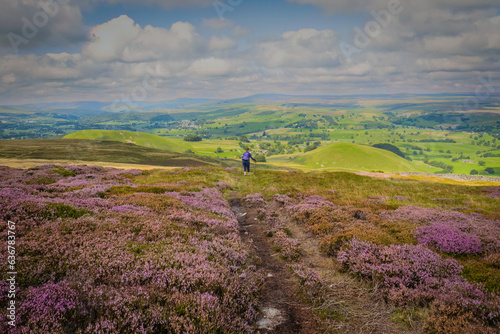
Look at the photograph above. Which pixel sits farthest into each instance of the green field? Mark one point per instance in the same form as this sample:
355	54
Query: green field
343	156
140	139
426	129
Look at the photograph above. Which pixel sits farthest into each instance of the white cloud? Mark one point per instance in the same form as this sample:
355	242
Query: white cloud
420	50
210	67
303	48
121	39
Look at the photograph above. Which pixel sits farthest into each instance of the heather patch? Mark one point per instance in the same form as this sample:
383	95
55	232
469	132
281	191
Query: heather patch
136	259
410	275
448	240
254	200
474	225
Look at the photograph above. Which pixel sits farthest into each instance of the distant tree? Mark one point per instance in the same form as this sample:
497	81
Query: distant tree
310	148
391	148
474	172
244	139
193	138
190	151
219	150
489	170
481	163
260	158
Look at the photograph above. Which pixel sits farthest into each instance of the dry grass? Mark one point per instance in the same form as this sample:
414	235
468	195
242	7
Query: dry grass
349	306
29	163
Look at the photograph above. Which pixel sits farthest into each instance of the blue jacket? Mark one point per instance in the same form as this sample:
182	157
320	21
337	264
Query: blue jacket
247	156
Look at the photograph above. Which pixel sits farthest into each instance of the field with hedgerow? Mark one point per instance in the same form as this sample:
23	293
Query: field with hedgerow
102	250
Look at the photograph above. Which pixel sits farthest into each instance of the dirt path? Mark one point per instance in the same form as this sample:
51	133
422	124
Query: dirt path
283	310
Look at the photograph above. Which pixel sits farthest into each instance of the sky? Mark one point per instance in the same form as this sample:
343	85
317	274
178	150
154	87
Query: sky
155	50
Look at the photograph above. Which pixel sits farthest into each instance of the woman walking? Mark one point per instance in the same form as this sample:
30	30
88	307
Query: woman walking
246	161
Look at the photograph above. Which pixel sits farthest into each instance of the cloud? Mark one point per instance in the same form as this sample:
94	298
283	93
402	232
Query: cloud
28	24
210	67
217	23
421	50
343	6
306	48
121	39
167	4
221	43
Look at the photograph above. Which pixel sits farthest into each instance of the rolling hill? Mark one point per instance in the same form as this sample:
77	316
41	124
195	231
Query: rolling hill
137	138
103	151
355	157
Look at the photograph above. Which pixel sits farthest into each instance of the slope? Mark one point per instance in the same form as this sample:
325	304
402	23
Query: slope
356	157
137	138
94	150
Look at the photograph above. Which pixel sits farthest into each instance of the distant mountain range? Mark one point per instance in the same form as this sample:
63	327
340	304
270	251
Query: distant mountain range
96	107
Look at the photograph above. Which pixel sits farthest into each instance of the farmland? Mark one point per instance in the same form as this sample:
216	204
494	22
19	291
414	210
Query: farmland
432	134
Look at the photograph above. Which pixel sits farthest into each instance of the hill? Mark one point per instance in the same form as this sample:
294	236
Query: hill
137	138
94	150
355	157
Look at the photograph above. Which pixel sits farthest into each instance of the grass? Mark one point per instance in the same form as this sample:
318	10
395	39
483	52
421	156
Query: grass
362	191
138	138
98	151
29	163
355	157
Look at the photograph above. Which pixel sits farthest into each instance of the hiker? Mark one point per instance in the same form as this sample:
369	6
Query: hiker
246	161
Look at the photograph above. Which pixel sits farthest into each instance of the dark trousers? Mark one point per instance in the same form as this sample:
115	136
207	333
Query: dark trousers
246	165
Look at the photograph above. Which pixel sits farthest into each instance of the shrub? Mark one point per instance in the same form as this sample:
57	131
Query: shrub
448	240
59	210
51	308
408	274
63	172
43	180
288	247
415	276
310	283
254	200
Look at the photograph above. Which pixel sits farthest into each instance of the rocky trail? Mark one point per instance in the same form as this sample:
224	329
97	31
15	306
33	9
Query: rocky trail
282	309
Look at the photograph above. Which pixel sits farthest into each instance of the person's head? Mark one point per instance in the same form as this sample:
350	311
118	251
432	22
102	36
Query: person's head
248	149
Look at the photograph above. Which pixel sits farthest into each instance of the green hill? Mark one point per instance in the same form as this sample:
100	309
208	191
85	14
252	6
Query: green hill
137	138
103	151
356	157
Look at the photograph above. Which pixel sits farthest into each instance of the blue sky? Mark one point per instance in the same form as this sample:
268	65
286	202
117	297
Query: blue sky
113	50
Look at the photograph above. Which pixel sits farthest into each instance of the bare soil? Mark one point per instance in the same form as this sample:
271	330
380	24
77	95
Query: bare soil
282	309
